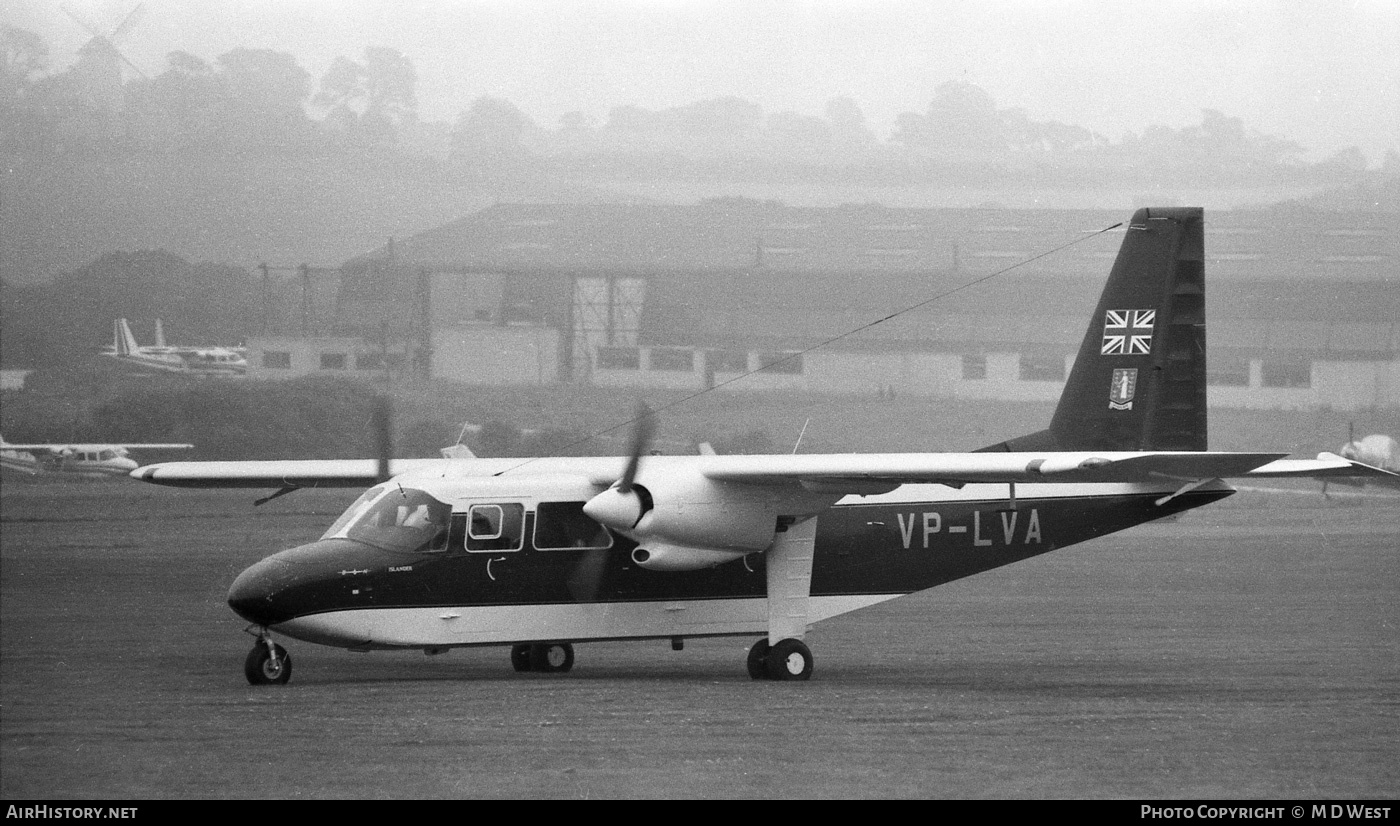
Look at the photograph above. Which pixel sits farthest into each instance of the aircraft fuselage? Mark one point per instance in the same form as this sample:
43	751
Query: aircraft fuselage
346	593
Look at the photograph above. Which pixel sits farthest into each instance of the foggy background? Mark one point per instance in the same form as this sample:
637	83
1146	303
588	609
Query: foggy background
1324	74
156	155
309	132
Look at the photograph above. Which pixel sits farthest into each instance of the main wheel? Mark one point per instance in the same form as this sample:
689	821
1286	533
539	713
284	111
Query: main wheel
552	657
758	660
520	657
789	660
264	667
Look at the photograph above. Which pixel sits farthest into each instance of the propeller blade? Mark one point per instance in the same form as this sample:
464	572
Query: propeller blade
382	423
586	580
643	428
622	506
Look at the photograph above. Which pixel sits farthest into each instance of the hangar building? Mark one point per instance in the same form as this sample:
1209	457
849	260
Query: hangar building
1303	305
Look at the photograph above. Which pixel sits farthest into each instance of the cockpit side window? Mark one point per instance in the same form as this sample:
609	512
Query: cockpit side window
564	526
495	527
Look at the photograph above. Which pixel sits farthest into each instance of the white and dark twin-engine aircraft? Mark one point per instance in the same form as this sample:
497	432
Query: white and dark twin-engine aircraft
540	554
105	460
183	360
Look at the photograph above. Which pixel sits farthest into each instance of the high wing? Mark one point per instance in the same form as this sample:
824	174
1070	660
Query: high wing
824	473
303	473
855	472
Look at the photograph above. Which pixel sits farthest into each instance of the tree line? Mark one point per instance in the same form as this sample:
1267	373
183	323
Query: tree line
263	100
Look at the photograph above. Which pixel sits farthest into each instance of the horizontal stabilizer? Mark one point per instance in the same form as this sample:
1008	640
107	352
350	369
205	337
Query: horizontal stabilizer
1327	466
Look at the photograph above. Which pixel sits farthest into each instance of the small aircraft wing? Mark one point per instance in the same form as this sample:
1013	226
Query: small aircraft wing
305	473
857	472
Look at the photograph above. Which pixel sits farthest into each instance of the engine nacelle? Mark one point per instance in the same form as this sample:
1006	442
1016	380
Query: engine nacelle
663	556
680	513
693	511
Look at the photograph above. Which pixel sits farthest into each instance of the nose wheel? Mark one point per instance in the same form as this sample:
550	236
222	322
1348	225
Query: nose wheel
268	663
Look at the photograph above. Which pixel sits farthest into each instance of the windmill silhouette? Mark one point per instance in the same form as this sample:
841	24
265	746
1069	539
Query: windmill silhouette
100	62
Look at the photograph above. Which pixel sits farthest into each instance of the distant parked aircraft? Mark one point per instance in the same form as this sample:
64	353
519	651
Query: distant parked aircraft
180	359
88	460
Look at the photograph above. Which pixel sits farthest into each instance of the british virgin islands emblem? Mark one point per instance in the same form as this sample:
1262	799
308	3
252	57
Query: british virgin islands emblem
1123	388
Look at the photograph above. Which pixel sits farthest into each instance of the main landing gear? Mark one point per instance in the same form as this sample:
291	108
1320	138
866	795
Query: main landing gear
788	660
548	657
268	663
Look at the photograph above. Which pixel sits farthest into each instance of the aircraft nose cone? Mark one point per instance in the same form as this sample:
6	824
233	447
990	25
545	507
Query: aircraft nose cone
252	594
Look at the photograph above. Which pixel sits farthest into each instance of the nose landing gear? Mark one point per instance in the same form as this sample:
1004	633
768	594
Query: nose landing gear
268	663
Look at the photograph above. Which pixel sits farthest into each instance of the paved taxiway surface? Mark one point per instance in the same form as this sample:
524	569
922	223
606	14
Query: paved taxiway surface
1250	649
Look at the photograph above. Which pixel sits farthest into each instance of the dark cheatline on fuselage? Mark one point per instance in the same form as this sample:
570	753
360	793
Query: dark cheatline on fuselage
883	548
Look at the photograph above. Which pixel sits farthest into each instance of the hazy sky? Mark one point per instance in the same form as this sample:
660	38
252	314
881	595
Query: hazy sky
1324	73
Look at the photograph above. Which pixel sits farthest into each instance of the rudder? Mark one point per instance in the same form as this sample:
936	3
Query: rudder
1139	380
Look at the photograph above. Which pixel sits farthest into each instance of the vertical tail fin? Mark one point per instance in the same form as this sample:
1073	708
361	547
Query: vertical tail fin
1139	380
123	340
160	334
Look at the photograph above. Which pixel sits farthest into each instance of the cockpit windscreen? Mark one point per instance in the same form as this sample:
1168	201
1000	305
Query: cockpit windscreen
395	518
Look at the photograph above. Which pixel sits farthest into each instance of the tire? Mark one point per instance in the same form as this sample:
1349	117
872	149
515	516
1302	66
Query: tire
789	660
551	657
261	669
758	660
520	657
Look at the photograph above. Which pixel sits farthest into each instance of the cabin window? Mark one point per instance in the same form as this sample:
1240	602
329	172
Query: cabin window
106	455
332	361
974	367
495	527
564	526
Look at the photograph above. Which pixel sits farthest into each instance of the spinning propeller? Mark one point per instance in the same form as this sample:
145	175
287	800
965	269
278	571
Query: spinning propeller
622	506
382	422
